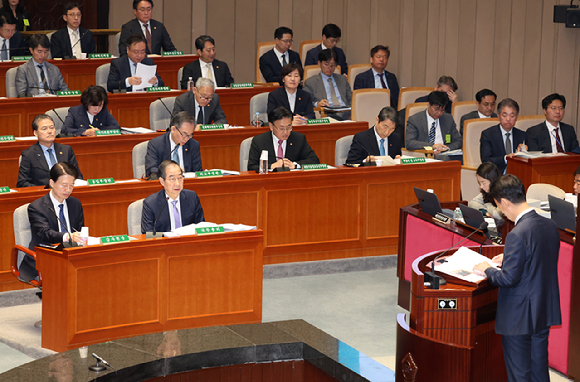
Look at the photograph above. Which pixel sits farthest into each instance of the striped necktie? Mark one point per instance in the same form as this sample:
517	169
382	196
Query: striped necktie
432	133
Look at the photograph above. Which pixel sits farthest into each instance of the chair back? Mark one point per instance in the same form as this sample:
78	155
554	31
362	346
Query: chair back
49	35
102	75
134	214
341	150
459	109
367	103
540	191
116	46
22	232
179	76
524	122
409	95
159	117
305	46
263	47
11	83
414	108
138	157
259	104
62	113
313	70
355	69
472	130
245	153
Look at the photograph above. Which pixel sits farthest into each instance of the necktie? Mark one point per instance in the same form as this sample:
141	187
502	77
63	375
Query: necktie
51	157
382	80
280	151
77	45
508	144
176	217
382	148
200	120
43	78
432	133
176	157
558	141
284	62
63	227
4	51
210	73
333	96
148	38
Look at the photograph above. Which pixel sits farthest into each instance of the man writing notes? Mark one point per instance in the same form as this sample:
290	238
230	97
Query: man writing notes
37	76
65	42
38	159
331	34
11	41
272	62
187	154
499	142
485	100
528	301
329	88
153	32
377	77
283	144
207	66
202	103
175	206
552	136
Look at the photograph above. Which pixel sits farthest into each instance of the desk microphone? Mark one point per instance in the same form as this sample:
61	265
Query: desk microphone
435	280
153	176
154	234
98	367
49	90
281	169
10	50
170	113
73	57
363	163
61	135
70	243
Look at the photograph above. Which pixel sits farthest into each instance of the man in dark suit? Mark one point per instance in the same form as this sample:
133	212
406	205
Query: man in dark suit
528	301
123	69
91	116
377	77
11	41
282	142
207	66
378	140
272	62
552	136
504	140
331	34
65	42
175	206
433	127
485	99
447	85
153	32
165	147
202	103
38	159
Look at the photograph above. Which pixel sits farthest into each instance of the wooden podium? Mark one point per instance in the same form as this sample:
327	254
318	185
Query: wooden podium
557	170
450	336
104	292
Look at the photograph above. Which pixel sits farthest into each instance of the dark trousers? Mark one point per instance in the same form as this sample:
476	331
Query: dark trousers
526	357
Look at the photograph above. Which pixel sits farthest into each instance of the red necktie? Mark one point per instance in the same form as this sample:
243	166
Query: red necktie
558	141
280	151
148	38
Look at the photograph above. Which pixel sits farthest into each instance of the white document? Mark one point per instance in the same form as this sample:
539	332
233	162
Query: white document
81	182
190	229
529	154
452	152
136	130
128	181
225	172
461	264
26	138
230	227
189	175
146	72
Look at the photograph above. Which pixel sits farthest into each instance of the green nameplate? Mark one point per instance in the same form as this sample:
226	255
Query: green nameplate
7	138
321	121
68	93
207	230
156	89
21	58
412	160
242	85
96	182
321	166
211	127
108	132
208	174
114	239
173	53
100	55
4	190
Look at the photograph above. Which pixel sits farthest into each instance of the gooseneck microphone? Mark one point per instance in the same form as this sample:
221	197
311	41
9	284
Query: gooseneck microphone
154	176
170	113
152	235
70	243
61	135
363	163
98	367
281	169
73	47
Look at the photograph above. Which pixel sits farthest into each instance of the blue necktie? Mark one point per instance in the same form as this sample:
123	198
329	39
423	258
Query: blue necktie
176	157
51	157
176	217
382	148
63	227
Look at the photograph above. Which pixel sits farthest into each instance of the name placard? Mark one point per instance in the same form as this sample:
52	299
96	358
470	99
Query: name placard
68	93
21	58
412	160
208	174
101	133
100	55
97	182
173	53
4	190
157	89
211	127
114	239
242	85
320	166
321	121
208	230
7	138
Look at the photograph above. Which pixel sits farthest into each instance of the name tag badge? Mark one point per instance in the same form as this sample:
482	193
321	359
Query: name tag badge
447	138
26	22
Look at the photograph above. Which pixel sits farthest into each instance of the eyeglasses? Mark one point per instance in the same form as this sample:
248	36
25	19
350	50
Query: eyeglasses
556	108
287	41
329	64
174	179
438	109
204	98
188	136
144	10
74	15
286	129
138	52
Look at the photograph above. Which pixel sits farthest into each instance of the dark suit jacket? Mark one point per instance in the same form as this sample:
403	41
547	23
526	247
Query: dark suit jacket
303	105
538	138
60	45
120	71
159	36
472	115
191	211
223	77
159	148
366	80
426	99
312	58
77	121
20	18
528	300
368	139
297	150
271	68
17	46
34	170
492	148
212	112
418	132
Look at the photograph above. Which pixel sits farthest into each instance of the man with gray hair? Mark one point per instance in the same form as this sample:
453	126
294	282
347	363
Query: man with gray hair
202	103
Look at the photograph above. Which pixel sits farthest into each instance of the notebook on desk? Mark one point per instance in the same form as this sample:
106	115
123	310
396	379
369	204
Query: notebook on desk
562	213
430	203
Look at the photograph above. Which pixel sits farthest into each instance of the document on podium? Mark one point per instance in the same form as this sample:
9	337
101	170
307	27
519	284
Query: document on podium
461	264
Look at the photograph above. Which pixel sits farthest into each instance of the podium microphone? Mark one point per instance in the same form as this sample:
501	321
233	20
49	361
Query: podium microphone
435	280
73	57
154	176
154	234
71	243
61	135
281	169
98	367
170	113
363	163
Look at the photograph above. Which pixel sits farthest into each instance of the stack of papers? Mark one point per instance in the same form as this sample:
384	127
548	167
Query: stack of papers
461	264
190	229
136	130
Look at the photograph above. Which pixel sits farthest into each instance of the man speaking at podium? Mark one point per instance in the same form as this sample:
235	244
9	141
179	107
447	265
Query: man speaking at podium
528	302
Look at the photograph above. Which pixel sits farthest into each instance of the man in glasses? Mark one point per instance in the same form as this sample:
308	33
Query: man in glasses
11	41
175	206
284	146
166	147
377	77
202	103
331	34
272	62
65	43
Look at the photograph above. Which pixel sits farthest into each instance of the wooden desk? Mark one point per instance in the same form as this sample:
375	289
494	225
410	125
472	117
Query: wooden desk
556	170
105	292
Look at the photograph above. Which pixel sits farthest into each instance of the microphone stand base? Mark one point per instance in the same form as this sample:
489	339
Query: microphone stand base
97	368
70	244
281	169
368	164
151	235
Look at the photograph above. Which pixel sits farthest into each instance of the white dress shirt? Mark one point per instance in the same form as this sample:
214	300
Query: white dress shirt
56	203
377	77
291	100
482	116
551	129
280	55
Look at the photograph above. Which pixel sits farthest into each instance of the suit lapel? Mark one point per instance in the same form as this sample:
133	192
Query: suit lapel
499	137
39	155
373	141
51	213
341	89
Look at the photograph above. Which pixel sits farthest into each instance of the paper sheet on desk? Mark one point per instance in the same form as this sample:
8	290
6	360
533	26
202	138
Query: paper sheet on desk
146	72
228	227
461	264
26	138
136	130
225	172
452	152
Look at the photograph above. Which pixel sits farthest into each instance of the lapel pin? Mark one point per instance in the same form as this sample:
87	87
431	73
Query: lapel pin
154	27
60	152
217	67
290	144
299	99
186	149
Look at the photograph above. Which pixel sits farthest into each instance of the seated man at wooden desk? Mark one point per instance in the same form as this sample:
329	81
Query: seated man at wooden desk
283	145
173	207
202	103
